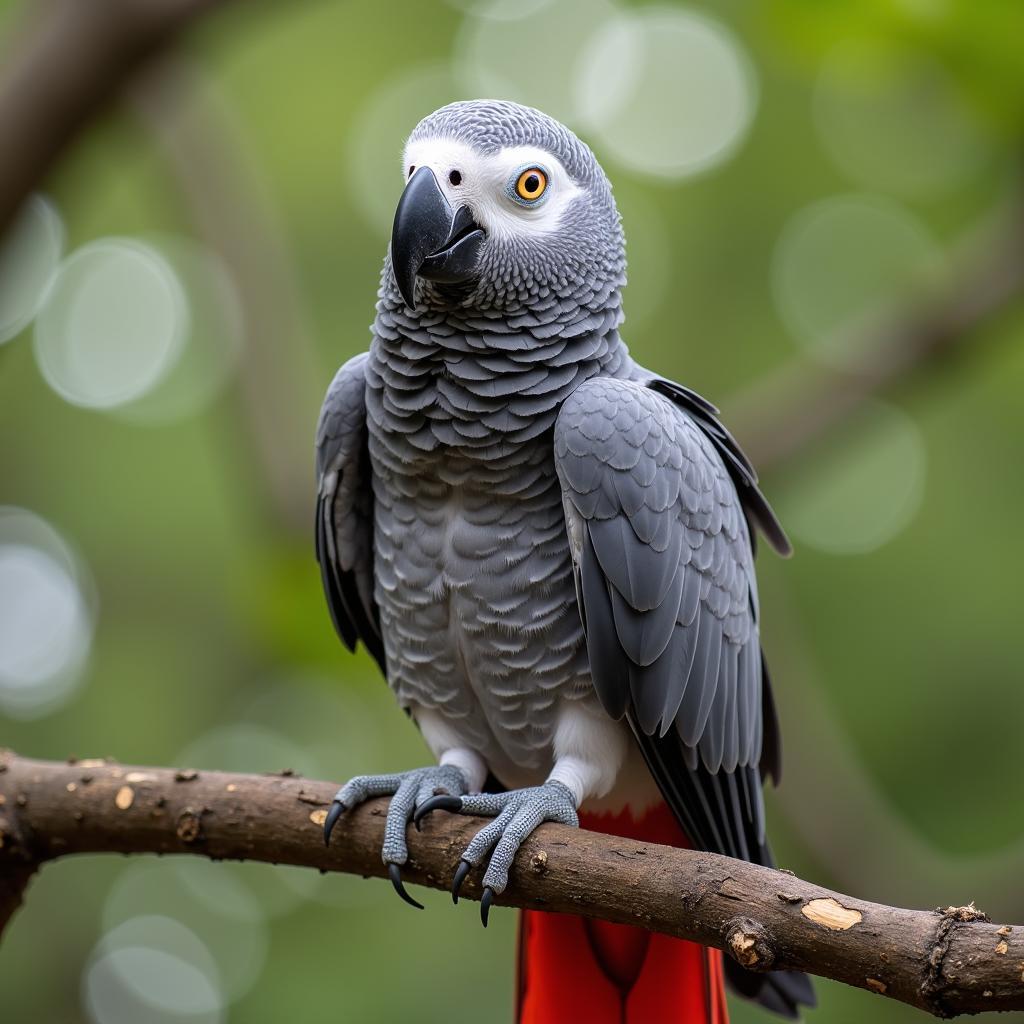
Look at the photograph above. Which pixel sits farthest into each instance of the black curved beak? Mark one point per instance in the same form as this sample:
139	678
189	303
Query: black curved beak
430	239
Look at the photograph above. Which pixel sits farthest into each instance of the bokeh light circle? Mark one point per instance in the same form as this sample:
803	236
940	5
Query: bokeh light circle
667	91
529	55
29	255
46	616
228	920
895	120
844	265
112	325
153	969
212	345
500	10
864	490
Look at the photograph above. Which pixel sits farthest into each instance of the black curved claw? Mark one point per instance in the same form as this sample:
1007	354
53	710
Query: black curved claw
336	811
485	903
460	876
395	874
441	802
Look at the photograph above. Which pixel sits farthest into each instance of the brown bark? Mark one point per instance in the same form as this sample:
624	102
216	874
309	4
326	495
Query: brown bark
944	962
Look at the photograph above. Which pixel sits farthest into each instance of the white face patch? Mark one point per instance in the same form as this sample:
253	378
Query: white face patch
484	182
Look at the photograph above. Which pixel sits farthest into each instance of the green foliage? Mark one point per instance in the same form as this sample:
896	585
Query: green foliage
976	42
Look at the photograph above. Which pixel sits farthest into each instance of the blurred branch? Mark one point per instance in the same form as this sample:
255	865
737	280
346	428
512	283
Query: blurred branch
280	381
63	69
788	411
944	962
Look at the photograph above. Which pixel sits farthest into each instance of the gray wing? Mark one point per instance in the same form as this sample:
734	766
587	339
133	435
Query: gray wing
665	580
344	510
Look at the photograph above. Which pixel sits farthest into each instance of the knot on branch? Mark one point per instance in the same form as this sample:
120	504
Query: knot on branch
963	914
933	986
749	943
189	828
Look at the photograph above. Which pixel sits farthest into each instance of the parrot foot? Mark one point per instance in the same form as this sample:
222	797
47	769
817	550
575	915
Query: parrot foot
516	814
409	791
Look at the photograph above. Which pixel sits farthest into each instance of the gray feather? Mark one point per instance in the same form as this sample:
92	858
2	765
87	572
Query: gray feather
644	635
344	510
642	574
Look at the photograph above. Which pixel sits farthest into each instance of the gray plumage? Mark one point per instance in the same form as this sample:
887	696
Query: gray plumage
344	510
512	512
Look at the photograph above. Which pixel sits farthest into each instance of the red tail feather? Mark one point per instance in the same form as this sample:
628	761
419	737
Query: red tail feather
573	969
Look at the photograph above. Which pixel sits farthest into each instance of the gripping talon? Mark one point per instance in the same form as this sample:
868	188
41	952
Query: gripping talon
395	874
485	903
442	802
460	876
336	811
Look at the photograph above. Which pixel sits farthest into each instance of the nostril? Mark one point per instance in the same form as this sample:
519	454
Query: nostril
455	177
412	167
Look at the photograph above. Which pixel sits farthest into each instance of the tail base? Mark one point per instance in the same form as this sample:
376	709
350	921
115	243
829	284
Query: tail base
573	969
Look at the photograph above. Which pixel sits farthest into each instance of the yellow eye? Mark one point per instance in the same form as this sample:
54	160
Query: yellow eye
531	184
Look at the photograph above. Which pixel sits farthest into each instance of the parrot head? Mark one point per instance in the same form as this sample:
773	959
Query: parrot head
503	209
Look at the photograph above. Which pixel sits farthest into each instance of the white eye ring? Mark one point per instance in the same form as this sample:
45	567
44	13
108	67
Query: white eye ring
529	185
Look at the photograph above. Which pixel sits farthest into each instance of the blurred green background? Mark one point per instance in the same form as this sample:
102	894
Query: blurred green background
798	180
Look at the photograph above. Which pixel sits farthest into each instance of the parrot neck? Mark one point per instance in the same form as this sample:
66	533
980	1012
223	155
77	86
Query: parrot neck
482	383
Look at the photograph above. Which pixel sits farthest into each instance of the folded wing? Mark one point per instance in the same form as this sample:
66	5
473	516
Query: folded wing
659	501
344	510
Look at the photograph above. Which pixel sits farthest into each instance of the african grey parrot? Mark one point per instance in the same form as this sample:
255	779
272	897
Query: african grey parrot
549	551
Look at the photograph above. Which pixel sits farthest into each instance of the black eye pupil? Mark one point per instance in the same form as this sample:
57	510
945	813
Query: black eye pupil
455	178
532	183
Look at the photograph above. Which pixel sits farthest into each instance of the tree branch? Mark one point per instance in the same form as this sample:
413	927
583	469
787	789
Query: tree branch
784	413
63	71
944	962
205	155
